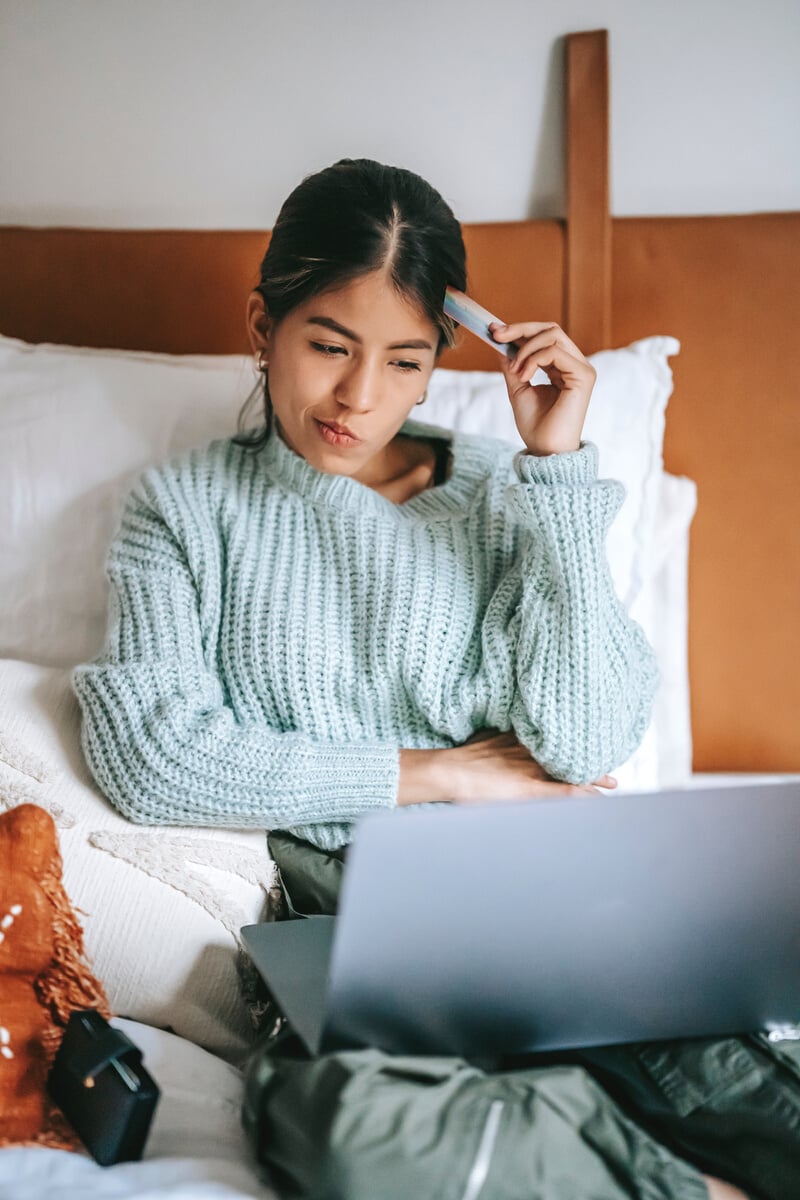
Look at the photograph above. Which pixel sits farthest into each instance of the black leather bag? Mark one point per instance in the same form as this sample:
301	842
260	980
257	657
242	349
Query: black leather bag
99	1083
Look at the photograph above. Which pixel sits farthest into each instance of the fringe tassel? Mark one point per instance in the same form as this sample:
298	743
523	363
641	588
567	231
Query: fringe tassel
67	985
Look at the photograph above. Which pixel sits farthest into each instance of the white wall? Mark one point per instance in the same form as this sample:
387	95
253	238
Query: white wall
205	113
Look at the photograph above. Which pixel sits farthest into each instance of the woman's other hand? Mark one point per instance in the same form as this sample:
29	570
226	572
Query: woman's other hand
490	768
549	416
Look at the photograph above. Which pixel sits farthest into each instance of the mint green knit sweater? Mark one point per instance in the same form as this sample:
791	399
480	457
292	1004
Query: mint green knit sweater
278	634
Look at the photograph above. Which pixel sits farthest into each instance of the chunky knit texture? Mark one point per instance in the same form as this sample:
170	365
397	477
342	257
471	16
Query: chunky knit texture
277	634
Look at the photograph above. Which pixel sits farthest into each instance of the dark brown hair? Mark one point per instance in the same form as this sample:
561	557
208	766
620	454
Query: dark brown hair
346	221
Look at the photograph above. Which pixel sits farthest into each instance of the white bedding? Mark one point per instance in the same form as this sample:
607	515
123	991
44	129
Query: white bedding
196	1149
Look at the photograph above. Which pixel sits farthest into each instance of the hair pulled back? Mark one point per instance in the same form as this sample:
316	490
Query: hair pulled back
353	218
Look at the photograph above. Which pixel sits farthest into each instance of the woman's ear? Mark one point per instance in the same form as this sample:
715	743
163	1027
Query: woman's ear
258	322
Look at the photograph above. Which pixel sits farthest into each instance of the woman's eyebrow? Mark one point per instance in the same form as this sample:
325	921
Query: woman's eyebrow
335	327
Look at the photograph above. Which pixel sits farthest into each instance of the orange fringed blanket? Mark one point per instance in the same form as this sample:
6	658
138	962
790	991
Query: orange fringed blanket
43	975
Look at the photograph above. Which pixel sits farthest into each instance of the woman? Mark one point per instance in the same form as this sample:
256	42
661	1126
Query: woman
354	610
313	625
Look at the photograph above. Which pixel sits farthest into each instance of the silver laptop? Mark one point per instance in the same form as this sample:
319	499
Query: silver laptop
552	925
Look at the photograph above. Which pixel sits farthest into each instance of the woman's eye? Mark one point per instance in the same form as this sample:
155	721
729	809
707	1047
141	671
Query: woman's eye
338	351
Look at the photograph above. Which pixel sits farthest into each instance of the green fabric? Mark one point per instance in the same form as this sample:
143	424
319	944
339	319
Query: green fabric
363	1125
607	1123
731	1104
310	878
616	1122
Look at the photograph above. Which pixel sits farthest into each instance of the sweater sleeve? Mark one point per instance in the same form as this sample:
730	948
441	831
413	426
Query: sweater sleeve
158	735
574	676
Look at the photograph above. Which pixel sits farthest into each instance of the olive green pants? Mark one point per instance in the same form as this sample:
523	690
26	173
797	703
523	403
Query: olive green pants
310	878
730	1106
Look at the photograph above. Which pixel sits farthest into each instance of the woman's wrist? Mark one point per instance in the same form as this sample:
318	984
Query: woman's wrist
538	452
571	467
424	777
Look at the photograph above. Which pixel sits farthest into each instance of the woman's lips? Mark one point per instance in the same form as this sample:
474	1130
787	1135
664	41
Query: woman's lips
334	435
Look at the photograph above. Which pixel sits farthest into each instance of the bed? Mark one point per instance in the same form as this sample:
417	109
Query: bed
106	368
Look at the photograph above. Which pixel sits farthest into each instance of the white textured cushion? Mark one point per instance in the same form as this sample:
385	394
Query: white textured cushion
161	908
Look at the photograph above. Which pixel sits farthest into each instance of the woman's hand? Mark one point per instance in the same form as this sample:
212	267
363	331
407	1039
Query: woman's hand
490	768
550	416
494	767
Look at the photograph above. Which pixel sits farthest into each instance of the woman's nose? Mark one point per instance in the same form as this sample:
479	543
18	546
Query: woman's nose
358	388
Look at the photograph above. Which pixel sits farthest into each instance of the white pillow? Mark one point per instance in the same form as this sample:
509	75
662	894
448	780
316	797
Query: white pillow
664	758
662	611
76	427
161	908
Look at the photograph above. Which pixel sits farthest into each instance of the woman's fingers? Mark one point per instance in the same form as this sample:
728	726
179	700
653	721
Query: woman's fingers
559	364
517	776
514	751
545	345
546	340
547	337
542	332
567	789
549	416
540	790
606	782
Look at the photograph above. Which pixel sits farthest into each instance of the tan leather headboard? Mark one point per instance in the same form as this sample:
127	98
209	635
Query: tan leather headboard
729	289
184	292
726	287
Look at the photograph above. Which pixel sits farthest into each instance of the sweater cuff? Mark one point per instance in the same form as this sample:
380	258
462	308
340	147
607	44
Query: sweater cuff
571	468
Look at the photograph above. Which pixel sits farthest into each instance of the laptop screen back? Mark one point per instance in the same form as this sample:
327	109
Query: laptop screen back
579	922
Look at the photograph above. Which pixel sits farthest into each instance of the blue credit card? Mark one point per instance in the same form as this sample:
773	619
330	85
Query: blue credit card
476	319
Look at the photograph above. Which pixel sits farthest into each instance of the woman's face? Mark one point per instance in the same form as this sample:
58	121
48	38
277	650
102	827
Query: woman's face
359	357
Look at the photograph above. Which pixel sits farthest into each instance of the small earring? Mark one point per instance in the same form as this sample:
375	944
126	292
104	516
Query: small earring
424	398
262	363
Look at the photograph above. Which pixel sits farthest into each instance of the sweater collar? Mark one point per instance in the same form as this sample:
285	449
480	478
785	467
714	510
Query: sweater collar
340	491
